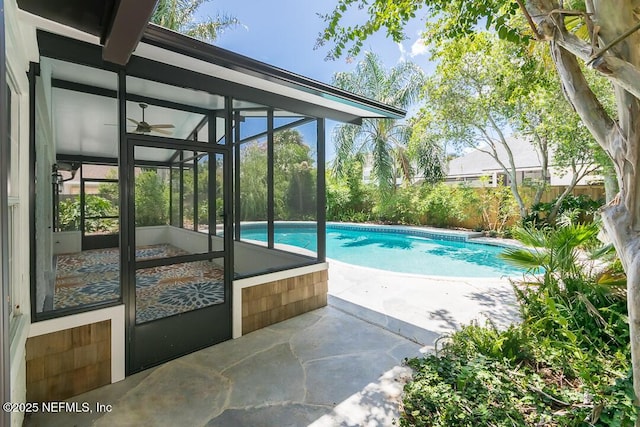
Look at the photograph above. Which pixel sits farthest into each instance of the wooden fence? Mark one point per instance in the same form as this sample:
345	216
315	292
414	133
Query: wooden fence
475	218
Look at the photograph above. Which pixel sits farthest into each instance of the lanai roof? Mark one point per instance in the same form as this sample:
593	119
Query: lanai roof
236	74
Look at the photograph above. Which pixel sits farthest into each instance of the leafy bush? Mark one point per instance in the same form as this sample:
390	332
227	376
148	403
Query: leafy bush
580	209
404	206
95	206
151	199
445	204
439	205
497	208
349	199
567	364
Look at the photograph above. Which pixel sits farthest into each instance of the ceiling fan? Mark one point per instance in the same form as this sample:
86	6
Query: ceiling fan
144	127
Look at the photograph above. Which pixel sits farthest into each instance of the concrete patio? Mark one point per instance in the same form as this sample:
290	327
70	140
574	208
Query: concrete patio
337	366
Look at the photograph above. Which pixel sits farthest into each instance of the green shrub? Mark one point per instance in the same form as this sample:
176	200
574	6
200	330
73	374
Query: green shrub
445	205
95	206
404	206
580	209
567	364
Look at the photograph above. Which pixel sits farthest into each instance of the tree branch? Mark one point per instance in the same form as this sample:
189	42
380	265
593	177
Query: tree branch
581	97
614	42
532	24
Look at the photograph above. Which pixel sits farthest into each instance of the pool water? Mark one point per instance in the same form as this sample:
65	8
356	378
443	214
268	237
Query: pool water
396	251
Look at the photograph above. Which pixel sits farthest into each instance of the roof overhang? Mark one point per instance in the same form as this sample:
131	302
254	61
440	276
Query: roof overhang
235	67
78	40
119	24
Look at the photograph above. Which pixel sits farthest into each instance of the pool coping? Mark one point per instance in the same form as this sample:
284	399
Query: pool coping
428	232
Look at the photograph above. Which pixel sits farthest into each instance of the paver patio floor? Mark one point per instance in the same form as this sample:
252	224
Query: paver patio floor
324	368
337	366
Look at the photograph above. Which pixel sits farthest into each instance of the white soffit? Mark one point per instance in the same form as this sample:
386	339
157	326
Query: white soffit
56	27
85	123
188	63
180	95
83	74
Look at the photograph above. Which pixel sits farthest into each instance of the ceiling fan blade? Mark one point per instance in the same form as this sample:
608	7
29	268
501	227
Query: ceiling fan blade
163	126
162	131
137	123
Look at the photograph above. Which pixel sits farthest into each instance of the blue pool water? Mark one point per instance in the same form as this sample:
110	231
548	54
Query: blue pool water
394	251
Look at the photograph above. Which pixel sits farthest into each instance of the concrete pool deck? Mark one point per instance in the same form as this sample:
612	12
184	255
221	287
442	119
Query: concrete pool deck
420	308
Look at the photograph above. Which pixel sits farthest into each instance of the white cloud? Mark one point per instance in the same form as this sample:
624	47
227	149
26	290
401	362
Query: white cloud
403	52
419	47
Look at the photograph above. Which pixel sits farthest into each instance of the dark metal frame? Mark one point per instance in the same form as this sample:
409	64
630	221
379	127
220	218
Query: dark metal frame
320	178
321	192
270	182
141	336
78	52
59	47
99	241
33	71
166	39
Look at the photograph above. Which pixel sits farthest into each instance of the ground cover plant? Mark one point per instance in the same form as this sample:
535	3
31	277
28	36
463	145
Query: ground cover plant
567	363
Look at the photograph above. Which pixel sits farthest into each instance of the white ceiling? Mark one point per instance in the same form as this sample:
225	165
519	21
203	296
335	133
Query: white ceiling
86	124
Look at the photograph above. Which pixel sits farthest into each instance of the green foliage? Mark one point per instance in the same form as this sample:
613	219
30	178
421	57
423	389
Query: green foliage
253	182
69	214
579	209
567	364
446	19
404	206
95	206
348	199
151	199
383	141
179	15
445	204
554	251
497	207
439	205
294	179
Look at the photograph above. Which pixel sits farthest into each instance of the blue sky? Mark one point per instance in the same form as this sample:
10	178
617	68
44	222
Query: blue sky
283	33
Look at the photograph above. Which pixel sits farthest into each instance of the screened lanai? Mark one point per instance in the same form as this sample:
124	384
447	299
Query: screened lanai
179	191
164	195
178	199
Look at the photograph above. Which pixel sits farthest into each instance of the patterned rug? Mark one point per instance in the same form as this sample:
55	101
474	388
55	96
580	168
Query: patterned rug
93	276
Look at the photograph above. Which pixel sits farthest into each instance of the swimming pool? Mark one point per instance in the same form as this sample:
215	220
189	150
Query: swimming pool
393	250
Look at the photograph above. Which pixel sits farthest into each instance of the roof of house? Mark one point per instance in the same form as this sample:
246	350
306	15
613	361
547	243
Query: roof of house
274	86
478	162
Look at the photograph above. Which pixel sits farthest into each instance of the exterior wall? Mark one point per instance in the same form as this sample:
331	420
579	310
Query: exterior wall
272	302
20	49
73	354
69	362
260	301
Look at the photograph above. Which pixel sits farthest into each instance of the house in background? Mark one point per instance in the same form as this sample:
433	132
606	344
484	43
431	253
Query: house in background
88	86
474	165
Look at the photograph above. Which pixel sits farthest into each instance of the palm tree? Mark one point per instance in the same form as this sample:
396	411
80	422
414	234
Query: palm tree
178	15
384	141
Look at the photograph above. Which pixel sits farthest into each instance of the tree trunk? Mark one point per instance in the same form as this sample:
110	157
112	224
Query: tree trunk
621	139
617	221
610	185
